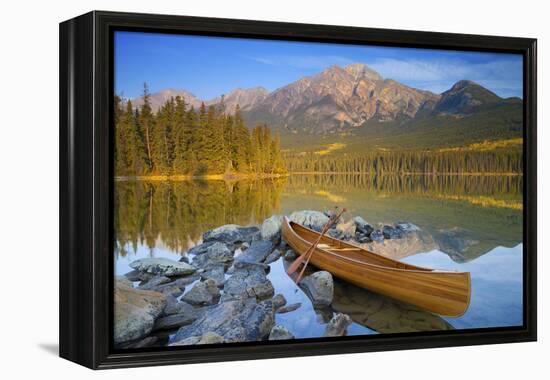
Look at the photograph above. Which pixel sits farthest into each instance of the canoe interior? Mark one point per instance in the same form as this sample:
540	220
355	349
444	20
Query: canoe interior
350	251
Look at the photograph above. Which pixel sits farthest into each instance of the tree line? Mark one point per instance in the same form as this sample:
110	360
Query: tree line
403	162
179	140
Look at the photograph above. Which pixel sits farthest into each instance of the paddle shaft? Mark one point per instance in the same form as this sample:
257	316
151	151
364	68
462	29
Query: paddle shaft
294	266
312	249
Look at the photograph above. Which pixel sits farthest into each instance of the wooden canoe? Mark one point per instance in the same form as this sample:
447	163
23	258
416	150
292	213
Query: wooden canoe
441	292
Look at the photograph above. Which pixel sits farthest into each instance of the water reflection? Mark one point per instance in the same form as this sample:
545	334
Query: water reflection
468	223
465	216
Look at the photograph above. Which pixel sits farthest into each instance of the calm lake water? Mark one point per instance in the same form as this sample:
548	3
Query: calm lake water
471	223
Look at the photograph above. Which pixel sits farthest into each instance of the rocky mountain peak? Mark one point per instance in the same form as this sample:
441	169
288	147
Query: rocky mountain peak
360	70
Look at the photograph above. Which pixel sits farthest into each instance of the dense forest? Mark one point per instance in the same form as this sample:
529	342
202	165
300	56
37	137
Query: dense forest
402	162
181	141
178	140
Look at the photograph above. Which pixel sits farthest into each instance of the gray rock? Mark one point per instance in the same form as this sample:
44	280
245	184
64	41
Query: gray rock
257	252
319	287
136	275
135	312
390	232
271	229
163	267
203	293
174	306
278	301
273	256
140	343
174	288
199	249
174	321
207	338
290	255
154	282
250	281
215	273
232	233
279	332
217	253
312	219
338	325
363	226
289	308
377	236
235	321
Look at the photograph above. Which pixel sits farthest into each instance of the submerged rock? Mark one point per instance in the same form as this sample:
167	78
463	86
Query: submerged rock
319	287
288	308
279	332
234	321
271	229
338	325
135	312
232	233
203	293
312	219
162	267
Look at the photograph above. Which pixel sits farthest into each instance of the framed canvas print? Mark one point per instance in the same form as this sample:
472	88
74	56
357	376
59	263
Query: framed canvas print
237	189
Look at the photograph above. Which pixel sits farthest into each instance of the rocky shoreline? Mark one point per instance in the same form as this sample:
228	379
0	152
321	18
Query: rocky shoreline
220	292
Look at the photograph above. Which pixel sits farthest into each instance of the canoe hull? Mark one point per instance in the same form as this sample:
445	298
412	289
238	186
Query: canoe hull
440	292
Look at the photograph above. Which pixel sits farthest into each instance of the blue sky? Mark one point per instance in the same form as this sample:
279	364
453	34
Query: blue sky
211	66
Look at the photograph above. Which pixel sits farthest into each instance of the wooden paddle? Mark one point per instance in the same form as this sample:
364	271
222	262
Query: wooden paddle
307	255
312	249
296	263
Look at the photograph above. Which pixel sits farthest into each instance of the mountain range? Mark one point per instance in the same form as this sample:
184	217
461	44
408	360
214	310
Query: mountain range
349	100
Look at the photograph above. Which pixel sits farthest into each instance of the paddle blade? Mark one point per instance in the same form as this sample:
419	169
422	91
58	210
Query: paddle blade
295	265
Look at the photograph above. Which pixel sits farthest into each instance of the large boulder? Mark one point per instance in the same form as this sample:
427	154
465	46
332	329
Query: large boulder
160	266
203	293
279	332
257	253
217	253
312	219
235	321
135	312
319	287
338	325
271	229
232	233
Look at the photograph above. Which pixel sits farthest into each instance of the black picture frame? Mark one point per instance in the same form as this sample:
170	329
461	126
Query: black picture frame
86	182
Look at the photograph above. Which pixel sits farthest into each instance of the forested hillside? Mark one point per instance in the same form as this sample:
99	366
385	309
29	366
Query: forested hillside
181	141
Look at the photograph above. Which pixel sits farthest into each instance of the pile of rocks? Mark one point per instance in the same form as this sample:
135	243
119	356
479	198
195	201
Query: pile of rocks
220	292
